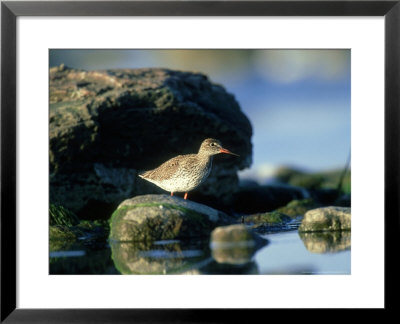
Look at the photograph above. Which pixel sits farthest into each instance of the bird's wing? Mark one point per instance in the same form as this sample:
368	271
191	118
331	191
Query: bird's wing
167	169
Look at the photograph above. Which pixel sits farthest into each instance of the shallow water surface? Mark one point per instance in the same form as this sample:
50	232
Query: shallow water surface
305	253
287	252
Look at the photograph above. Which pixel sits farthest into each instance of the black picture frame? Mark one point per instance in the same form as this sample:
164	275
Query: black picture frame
10	10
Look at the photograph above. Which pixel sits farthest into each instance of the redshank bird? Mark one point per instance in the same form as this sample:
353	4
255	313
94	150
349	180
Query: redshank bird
184	173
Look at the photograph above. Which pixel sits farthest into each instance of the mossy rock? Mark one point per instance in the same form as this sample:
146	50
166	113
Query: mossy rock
326	219
162	217
274	217
60	215
231	234
298	207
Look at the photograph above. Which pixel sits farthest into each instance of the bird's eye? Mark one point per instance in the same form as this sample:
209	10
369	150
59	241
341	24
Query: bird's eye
212	144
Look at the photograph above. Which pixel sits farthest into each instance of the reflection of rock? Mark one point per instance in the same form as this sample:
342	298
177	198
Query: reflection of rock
162	217
326	219
107	125
235	244
255	199
323	242
234	253
61	238
167	258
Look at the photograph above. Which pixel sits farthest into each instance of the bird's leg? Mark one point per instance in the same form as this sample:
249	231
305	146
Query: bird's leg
172	193
185	196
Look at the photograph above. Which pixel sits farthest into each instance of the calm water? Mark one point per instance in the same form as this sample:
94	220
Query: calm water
286	252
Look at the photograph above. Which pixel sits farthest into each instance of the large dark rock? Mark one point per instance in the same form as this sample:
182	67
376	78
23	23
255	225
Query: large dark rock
105	126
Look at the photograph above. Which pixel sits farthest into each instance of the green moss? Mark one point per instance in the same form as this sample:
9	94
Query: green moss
62	216
298	207
93	225
188	212
59	232
301	203
271	217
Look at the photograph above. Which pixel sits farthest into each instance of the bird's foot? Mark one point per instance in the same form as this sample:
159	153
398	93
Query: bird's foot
185	196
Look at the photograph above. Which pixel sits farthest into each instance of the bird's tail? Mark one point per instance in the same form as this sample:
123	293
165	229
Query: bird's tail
142	174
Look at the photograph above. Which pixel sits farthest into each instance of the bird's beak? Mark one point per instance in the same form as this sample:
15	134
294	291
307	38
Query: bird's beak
222	150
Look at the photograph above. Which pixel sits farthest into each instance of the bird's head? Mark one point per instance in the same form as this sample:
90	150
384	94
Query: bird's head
212	146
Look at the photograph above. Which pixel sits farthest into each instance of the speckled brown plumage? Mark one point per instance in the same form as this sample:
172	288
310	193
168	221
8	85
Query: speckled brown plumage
184	173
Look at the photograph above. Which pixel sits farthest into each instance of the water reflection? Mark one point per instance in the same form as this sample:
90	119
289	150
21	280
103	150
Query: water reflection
236	254
284	254
326	242
183	257
81	259
171	257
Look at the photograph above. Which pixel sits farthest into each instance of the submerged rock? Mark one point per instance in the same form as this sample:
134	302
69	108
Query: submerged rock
162	217
326	219
235	244
105	126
